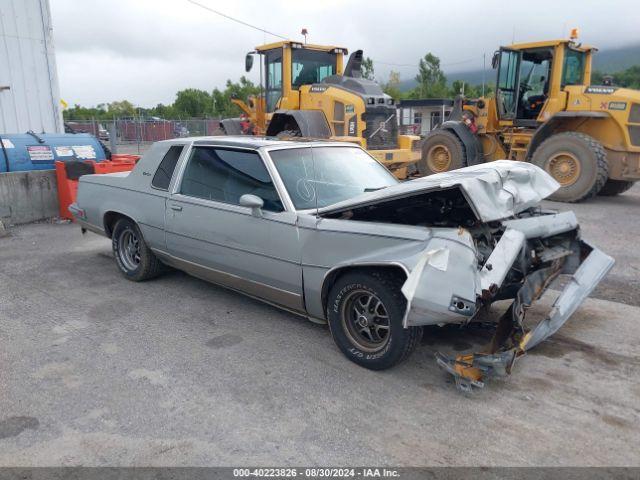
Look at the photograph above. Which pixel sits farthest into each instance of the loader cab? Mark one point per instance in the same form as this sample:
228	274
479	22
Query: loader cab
530	75
289	65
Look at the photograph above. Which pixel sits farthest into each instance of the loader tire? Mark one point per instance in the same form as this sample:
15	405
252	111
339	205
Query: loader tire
365	310
615	187
577	162
133	256
442	151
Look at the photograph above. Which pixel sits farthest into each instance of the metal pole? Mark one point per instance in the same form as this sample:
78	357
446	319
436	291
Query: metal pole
6	155
484	64
112	138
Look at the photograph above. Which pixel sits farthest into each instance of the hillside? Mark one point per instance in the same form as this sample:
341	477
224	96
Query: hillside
607	61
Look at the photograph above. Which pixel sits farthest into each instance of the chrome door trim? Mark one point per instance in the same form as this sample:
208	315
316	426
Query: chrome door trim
268	293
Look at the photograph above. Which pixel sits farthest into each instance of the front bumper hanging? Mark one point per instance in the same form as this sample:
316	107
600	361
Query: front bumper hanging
511	339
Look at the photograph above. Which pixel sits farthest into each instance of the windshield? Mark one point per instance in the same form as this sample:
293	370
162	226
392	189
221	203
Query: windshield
330	175
311	66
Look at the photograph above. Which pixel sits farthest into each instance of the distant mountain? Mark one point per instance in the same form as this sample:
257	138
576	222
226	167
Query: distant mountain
608	61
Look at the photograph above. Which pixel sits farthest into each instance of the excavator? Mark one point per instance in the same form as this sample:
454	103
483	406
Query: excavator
546	111
309	92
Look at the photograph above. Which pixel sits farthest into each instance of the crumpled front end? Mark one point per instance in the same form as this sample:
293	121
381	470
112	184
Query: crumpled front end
514	259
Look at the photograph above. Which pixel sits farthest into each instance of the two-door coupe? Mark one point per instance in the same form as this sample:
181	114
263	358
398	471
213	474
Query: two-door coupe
322	229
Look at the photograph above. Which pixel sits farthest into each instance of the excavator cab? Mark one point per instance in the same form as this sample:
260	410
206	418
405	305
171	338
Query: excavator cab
523	84
290	65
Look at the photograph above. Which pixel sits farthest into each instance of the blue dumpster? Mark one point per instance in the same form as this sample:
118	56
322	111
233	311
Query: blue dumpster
39	151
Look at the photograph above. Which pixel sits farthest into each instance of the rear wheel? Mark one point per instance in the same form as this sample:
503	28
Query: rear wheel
615	187
442	151
365	313
577	162
134	258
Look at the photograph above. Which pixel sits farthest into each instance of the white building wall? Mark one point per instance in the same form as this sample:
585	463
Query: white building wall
29	92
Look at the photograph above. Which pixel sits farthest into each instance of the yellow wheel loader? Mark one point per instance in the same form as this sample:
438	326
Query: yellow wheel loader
309	93
546	111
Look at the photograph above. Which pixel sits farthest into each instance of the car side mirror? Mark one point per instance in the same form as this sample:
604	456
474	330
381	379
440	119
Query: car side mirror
254	202
248	62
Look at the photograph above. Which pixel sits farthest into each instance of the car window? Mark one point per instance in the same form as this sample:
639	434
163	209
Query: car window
162	177
225	175
320	176
573	68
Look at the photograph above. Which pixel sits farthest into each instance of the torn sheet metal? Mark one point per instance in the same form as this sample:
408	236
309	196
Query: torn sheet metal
544	226
440	289
437	258
501	259
511	340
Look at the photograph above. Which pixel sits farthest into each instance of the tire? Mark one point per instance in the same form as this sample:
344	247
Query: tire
139	263
442	151
584	159
381	348
615	187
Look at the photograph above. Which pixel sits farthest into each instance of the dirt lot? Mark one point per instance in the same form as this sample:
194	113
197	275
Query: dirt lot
95	370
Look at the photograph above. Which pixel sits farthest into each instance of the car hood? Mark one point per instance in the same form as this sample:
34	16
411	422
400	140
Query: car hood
496	190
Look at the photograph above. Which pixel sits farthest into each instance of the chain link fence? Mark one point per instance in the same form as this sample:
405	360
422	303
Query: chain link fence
136	134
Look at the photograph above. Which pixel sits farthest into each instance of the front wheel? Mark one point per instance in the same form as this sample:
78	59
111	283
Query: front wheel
442	151
365	312
133	256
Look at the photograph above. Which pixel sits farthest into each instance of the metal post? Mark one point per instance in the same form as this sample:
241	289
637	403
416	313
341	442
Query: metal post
484	65
6	155
113	144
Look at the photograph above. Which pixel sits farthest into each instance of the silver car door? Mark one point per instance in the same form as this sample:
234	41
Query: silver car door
211	236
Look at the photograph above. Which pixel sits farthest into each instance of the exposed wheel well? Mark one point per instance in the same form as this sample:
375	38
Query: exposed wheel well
110	219
334	275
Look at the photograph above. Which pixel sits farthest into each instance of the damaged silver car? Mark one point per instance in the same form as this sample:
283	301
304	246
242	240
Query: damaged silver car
323	230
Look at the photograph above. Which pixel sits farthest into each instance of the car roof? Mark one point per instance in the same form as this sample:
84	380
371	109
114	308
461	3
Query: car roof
248	141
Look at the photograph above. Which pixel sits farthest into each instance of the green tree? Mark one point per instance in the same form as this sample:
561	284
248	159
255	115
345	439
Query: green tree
367	69
392	87
242	90
123	108
193	103
432	82
629	78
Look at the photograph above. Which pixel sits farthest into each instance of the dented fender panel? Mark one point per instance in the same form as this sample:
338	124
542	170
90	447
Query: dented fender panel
443	284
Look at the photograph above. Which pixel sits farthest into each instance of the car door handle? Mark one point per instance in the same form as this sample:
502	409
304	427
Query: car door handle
177	208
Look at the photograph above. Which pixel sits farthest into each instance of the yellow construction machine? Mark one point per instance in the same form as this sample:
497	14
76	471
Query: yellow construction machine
309	93
546	111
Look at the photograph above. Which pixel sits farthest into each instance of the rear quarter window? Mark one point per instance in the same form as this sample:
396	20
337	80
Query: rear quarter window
162	177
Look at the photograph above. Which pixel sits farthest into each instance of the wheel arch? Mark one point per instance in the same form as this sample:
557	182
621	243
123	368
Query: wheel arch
470	141
310	123
110	218
332	276
564	122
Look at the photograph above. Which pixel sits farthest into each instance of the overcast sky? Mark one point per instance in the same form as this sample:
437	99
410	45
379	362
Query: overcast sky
146	50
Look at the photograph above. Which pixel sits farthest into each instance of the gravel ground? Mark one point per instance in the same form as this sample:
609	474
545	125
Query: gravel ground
96	370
